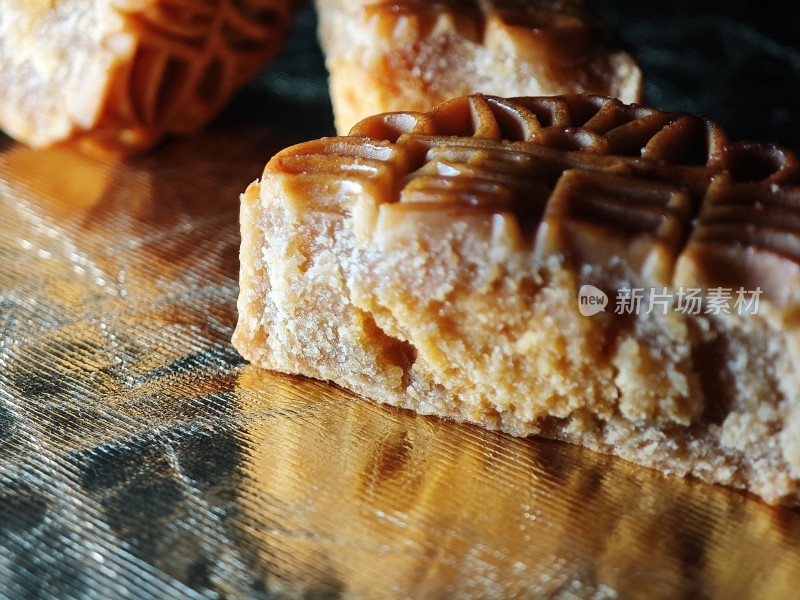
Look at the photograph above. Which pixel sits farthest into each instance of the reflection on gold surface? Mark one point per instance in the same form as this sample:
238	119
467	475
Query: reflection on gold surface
382	503
73	182
140	458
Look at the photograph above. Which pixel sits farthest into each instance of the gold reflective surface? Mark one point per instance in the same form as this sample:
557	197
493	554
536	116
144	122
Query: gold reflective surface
140	457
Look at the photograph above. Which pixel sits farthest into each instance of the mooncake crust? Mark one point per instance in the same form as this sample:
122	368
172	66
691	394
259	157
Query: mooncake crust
434	261
115	77
395	55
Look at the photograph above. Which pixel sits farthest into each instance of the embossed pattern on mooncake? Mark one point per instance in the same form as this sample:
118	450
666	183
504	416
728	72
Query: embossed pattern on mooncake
115	77
587	177
389	55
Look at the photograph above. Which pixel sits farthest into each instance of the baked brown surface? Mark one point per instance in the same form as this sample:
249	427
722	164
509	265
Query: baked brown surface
433	262
395	55
114	77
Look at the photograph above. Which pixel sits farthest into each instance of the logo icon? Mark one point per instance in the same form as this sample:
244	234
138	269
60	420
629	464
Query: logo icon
591	300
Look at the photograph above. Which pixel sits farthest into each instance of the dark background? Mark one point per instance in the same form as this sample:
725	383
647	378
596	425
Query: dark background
737	61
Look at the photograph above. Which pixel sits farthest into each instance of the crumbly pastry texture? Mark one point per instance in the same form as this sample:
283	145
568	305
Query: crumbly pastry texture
114	76
433	261
390	55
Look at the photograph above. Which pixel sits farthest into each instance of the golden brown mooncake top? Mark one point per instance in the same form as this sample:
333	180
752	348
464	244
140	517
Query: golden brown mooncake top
564	25
560	37
189	59
582	176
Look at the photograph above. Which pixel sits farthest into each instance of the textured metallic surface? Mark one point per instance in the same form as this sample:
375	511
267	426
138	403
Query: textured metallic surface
140	458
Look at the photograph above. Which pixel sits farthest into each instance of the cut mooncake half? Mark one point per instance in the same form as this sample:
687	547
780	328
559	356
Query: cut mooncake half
610	275
390	55
115	76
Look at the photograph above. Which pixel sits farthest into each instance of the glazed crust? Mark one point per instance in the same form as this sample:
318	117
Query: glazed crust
115	77
433	260
409	55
